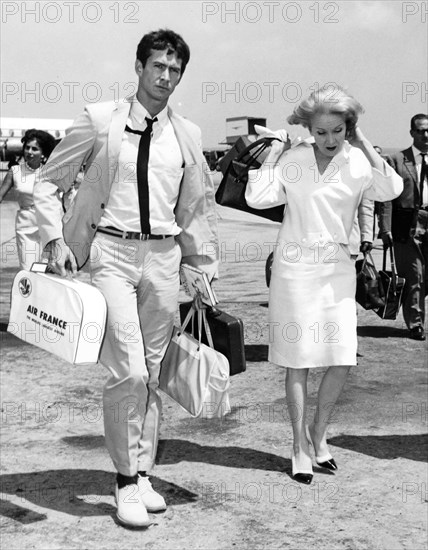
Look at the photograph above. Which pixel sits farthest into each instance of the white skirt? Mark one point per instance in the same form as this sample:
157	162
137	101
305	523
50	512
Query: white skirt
27	238
312	309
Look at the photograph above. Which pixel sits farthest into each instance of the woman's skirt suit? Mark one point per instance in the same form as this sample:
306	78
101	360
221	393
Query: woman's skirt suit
312	309
27	232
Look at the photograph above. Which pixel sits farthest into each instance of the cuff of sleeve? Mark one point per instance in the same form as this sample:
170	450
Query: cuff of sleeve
386	172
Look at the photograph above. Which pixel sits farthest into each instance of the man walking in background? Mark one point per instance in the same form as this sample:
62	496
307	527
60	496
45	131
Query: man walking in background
404	222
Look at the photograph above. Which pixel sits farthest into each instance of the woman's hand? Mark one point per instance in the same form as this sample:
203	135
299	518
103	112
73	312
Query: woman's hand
280	143
357	139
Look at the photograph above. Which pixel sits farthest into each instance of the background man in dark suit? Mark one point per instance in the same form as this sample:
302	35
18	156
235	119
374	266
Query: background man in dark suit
404	221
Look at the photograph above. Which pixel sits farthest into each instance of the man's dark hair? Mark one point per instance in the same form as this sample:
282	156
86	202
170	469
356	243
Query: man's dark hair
163	39
45	140
413	120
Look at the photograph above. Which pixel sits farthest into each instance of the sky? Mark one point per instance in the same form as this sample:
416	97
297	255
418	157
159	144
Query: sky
256	59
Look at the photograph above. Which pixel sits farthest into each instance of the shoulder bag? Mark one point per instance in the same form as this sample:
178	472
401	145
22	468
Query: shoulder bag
195	375
369	290
231	191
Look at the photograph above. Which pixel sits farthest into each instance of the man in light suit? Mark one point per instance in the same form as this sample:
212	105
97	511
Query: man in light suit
404	221
145	204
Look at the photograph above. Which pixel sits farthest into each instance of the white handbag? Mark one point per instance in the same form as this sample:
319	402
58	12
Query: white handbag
62	316
195	375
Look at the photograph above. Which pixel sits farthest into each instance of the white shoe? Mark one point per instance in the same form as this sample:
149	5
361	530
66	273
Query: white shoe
153	501
130	507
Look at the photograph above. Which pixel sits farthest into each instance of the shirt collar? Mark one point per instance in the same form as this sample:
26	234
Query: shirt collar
342	155
417	155
138	113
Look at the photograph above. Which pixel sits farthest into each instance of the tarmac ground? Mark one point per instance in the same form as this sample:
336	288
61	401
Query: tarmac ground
227	482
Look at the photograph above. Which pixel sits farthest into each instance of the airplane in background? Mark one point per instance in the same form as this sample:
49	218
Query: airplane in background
13	129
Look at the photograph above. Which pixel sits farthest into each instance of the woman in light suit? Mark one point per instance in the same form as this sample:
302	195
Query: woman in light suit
37	145
312	308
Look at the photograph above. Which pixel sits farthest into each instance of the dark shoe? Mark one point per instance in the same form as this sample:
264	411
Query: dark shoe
330	463
325	461
417	333
302	476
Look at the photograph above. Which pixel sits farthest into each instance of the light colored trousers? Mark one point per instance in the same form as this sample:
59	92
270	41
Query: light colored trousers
140	282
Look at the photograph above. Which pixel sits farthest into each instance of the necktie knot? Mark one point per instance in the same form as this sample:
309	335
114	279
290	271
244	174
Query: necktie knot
150	122
148	130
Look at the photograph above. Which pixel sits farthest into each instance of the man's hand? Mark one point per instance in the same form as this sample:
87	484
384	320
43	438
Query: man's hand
60	258
198	303
386	237
366	246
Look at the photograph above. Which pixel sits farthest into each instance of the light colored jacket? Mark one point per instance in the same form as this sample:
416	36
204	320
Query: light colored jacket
94	140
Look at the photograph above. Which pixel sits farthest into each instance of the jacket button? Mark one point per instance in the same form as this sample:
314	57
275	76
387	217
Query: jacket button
102	205
93	226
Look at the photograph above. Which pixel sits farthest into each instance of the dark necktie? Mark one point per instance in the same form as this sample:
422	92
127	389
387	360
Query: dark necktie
424	173
142	173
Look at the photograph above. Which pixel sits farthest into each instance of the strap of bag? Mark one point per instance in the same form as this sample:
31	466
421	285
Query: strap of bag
41	267
189	316
206	327
368	256
262	144
202	318
394	273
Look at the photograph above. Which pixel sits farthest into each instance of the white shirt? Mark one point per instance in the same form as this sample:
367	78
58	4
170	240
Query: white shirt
320	208
165	171
418	161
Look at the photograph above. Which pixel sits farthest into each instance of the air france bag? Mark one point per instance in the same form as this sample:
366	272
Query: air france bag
63	316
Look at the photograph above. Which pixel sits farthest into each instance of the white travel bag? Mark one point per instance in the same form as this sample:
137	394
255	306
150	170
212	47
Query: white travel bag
62	316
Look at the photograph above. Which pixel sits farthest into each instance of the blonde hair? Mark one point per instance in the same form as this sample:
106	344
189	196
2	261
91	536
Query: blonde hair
331	99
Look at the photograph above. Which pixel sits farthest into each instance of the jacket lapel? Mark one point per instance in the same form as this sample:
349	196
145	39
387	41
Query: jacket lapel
409	164
185	142
119	118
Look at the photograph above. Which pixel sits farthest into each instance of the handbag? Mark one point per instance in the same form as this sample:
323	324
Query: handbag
63	316
195	375
369	291
231	191
227	334
393	287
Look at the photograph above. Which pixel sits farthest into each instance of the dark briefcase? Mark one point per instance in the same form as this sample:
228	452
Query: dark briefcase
227	333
